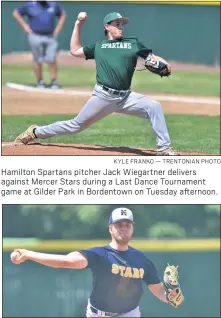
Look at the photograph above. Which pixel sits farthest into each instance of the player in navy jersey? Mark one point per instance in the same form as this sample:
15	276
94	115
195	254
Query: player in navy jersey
118	270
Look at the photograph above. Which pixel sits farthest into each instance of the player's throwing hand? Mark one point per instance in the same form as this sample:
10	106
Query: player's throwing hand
82	17
19	256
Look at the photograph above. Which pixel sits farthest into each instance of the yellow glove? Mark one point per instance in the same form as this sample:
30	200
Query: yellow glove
171	284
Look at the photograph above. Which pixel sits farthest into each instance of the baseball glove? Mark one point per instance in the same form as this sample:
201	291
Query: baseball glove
156	66
170	280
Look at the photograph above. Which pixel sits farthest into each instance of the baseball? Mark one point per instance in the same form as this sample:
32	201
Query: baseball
15	255
82	16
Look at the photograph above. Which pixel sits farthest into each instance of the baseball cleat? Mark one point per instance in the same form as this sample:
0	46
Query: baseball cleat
27	136
166	152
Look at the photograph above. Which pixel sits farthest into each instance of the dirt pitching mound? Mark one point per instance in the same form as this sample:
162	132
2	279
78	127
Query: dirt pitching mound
44	149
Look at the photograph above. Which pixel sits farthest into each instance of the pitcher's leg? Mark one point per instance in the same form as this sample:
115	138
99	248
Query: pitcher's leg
143	107
94	110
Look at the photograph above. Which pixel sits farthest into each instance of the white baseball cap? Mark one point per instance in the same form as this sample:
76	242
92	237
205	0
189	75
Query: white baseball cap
121	214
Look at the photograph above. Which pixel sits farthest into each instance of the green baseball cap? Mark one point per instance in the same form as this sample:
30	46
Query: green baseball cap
114	16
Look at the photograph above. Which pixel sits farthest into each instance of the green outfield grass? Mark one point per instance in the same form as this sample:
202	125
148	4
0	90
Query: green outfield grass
188	133
184	83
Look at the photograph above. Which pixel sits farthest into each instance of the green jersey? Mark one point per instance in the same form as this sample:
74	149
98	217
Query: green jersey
116	60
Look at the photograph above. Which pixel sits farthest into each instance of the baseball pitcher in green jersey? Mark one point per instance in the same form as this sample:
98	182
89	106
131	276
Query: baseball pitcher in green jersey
116	59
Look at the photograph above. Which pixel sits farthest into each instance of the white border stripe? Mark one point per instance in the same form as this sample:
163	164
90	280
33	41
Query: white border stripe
181	99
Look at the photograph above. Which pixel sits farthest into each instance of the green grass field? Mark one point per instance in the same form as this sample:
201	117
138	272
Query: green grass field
188	133
183	83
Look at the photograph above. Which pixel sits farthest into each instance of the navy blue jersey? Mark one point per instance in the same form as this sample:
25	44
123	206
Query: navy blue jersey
41	19
118	276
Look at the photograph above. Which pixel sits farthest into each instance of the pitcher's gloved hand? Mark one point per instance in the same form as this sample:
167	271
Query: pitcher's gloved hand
173	291
157	67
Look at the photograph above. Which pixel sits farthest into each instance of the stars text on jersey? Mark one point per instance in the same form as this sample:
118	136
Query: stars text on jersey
127	271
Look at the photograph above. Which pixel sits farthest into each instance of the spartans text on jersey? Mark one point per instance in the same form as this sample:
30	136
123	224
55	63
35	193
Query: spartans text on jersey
117	45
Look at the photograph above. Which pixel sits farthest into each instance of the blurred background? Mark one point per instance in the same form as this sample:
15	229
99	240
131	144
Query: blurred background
194	35
184	235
